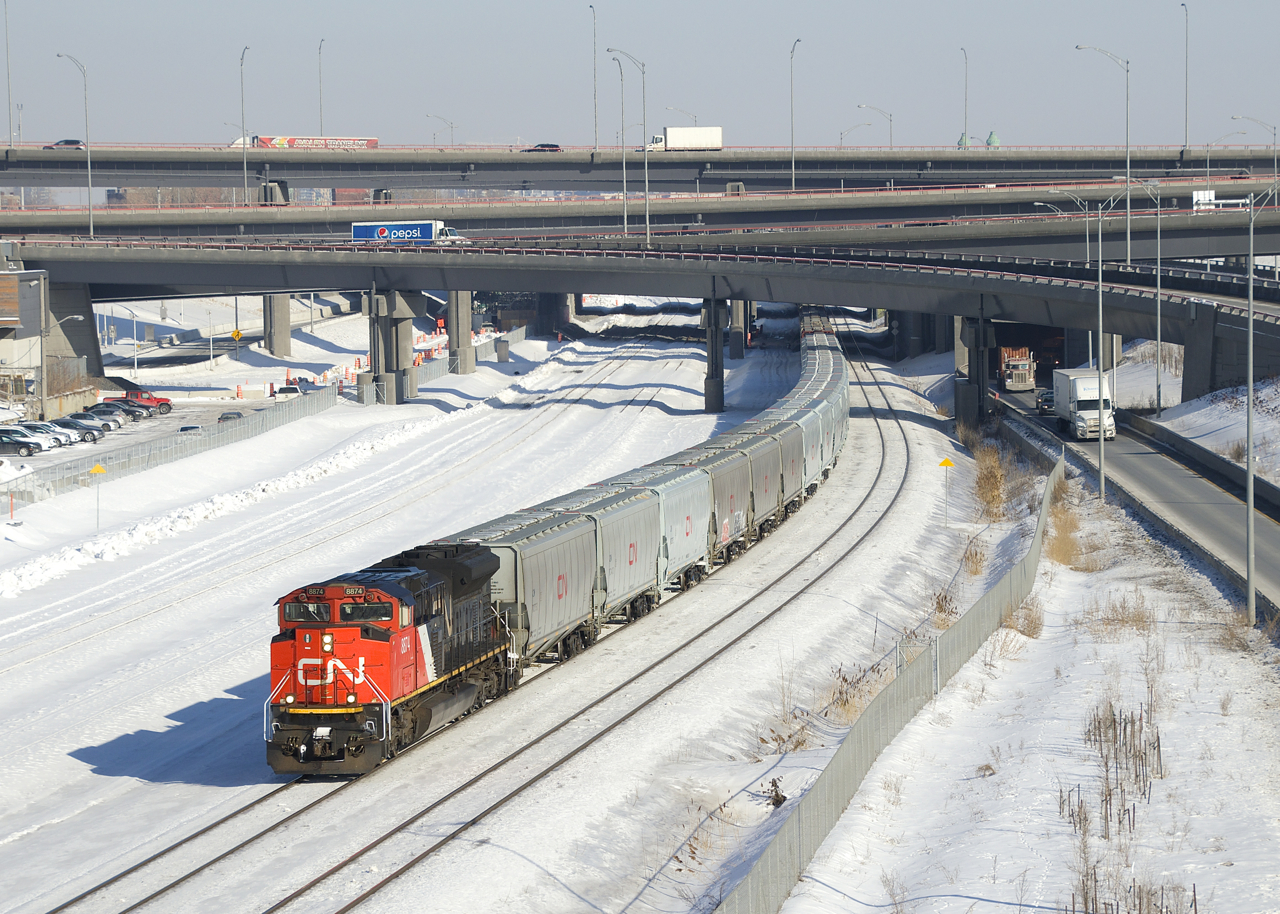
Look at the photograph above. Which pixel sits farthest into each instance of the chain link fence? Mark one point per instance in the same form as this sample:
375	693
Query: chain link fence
916	681
67	477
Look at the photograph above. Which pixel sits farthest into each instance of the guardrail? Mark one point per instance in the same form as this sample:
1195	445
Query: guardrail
67	477
777	870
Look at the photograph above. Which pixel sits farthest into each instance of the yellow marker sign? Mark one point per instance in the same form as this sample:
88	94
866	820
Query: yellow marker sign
235	335
97	468
946	499
946	462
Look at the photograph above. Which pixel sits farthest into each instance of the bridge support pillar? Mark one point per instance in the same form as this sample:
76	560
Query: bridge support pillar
462	355
1199	376
277	329
714	317
555	309
737	328
944	333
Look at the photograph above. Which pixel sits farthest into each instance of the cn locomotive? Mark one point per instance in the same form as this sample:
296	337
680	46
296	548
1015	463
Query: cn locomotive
367	663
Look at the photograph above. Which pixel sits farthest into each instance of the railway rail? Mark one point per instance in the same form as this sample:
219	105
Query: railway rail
505	780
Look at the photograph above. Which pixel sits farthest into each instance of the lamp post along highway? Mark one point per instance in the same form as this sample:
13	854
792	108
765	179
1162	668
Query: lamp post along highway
595	91
964	137
644	121
793	114
1275	172
244	137
1128	208
1209	148
88	153
688	114
851	129
448	124
1084	207
1102	420
886	115
8	70
1186	77
320	82
1155	196
1249	590
622	79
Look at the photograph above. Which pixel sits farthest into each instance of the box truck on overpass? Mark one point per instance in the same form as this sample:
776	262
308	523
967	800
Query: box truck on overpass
430	231
688	139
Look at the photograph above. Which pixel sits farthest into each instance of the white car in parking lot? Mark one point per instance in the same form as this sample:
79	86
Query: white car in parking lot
46	438
288	392
48	428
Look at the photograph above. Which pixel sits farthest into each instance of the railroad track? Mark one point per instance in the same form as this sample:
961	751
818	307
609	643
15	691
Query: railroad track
348	881
536	423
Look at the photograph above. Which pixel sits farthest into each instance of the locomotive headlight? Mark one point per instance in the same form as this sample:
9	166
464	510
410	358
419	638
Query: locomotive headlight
351	698
326	642
288	699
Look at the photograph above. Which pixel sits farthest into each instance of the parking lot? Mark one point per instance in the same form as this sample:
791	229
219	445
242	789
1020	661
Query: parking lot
157	426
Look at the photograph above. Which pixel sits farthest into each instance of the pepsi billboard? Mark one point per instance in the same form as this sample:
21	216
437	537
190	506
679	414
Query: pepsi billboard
395	232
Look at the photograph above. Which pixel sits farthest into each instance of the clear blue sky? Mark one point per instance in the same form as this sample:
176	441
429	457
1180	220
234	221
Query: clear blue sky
507	72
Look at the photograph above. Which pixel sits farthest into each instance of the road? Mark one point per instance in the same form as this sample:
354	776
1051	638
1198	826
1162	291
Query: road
1210	512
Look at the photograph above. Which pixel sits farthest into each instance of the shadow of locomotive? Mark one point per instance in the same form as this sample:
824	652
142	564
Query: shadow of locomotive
216	743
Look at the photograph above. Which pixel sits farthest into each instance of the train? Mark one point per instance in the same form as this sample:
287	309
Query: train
367	663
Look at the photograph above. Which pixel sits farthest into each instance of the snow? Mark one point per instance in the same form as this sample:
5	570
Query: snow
133	662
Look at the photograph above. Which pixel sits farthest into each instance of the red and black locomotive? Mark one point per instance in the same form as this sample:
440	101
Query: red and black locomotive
369	662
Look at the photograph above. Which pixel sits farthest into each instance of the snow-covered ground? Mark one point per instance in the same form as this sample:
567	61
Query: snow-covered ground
133	662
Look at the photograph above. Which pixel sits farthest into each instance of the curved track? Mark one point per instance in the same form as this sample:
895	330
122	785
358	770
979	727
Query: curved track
404	844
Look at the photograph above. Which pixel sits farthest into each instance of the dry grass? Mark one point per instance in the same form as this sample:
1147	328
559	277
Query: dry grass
943	410
1236	451
989	487
1062	546
850	693
1019	483
975	558
968	436
1234	632
945	611
1027	619
1111	618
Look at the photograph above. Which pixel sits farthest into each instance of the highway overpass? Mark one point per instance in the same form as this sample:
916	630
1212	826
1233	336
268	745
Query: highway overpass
590	171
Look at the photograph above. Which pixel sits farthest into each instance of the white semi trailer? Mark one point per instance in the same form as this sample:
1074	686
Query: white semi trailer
678	139
1075	403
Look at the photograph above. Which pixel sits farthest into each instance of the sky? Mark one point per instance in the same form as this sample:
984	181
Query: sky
519	73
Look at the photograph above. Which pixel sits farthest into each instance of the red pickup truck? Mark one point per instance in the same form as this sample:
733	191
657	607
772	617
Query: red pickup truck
161	405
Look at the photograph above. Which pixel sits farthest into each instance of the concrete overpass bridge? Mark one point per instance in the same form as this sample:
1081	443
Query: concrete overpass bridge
933	295
591	171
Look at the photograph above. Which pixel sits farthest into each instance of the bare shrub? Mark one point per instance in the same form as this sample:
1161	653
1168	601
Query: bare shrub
1019	481
850	692
1234	633
1108	619
896	889
1060	491
1224	703
975	558
968	436
989	486
945	610
1062	546
943	410
1027	619
1236	451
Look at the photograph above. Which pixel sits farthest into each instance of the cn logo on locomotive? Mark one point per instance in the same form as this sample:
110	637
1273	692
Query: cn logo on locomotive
334	664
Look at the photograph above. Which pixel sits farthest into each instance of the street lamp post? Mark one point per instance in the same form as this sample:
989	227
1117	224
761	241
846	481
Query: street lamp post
1249	590
1275	172
88	153
1209	148
885	114
1102	417
793	114
964	137
1155	196
622	81
320	82
851	129
688	114
1186	77
449	124
1085	208
244	138
595	92
644	120
1128	207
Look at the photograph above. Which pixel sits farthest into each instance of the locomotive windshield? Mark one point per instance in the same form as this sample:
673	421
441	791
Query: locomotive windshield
364	612
306	612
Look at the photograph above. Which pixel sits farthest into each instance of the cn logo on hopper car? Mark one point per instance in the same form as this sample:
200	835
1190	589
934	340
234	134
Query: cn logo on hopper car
562	587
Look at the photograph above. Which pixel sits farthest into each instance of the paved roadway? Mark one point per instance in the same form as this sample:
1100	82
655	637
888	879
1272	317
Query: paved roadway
1210	511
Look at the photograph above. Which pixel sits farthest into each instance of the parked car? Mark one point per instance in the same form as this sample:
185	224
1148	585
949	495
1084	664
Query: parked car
48	428
21	438
47	441
127	413
16	447
230	416
105	423
287	392
162	405
543	147
1044	402
66	144
85	430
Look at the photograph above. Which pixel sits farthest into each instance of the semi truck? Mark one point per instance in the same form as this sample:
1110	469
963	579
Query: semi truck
688	139
307	142
1075	403
429	231
1017	368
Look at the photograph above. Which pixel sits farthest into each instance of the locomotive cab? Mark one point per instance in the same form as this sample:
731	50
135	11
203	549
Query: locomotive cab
367	663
